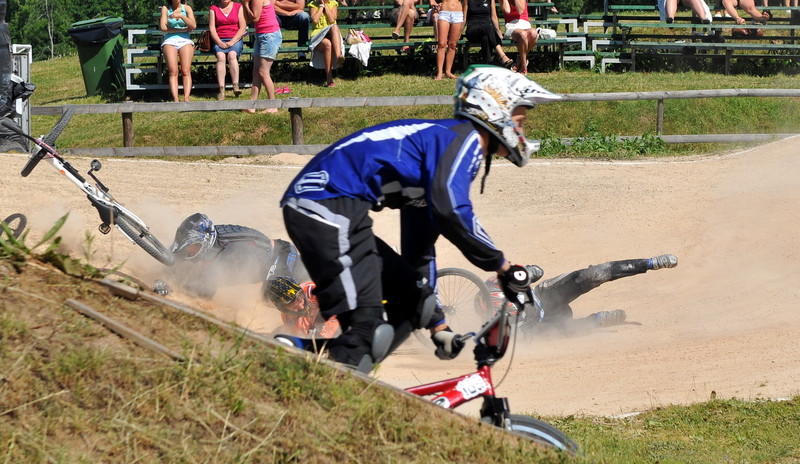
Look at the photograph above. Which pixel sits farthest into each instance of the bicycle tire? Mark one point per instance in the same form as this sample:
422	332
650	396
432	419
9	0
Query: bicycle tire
461	293
49	139
147	241
542	433
16	231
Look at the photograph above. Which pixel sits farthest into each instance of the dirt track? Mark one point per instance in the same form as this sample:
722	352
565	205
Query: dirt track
725	320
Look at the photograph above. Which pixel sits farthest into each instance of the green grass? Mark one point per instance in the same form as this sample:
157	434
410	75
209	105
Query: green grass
59	82
73	392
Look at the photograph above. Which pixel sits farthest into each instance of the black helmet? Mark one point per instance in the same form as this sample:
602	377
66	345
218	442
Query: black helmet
195	236
283	291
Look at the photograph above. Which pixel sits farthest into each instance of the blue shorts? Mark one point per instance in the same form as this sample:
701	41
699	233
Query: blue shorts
267	45
238	47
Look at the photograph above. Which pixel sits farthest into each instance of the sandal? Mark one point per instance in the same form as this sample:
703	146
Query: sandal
508	64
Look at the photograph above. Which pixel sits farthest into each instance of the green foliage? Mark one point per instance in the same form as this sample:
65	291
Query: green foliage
17	252
731	430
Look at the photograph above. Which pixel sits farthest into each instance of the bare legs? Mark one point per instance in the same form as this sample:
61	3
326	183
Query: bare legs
525	39
171	55
261	77
672	6
405	19
331	49
446	48
233	63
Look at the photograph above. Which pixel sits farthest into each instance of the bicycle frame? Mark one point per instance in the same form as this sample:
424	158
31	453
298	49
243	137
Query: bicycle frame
459	390
490	346
98	195
110	211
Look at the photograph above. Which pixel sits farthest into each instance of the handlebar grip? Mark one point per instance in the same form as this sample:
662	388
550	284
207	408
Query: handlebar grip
32	162
8	124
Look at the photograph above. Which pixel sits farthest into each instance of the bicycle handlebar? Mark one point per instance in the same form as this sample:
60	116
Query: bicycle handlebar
34	160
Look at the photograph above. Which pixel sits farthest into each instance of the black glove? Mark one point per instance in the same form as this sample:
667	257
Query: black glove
514	281
161	288
448	344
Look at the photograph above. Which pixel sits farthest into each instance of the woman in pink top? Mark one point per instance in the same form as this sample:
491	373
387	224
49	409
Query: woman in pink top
265	50
227	27
518	29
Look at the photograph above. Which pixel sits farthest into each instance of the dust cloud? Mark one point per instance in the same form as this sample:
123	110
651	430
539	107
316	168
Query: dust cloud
725	320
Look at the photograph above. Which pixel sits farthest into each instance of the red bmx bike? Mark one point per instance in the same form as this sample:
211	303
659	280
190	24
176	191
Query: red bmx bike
491	343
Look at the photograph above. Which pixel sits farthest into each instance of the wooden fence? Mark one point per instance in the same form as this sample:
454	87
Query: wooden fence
295	108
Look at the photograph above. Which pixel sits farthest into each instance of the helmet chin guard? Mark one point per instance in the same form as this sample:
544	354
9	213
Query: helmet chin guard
488	95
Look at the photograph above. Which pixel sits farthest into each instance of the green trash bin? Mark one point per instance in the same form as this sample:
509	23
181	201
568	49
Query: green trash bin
100	51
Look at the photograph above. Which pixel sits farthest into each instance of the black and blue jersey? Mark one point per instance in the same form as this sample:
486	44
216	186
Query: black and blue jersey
413	165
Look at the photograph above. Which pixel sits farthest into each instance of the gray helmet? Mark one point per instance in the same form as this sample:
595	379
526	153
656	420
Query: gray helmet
488	95
194	237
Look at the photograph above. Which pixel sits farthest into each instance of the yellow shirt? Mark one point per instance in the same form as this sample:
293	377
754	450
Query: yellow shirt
323	20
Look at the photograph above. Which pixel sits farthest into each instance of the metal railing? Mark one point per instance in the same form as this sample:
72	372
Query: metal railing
295	108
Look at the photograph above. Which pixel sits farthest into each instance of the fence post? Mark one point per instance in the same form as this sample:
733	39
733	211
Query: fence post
297	126
660	118
127	129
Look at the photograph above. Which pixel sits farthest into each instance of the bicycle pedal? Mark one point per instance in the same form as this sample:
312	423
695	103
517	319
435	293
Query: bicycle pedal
104	229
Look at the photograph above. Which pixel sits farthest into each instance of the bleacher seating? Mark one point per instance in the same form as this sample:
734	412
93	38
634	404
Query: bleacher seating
619	36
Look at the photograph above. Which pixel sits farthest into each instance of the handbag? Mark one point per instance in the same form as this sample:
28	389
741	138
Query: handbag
356	36
353	37
204	42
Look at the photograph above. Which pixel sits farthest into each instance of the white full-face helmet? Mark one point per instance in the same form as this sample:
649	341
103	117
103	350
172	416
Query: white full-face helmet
488	95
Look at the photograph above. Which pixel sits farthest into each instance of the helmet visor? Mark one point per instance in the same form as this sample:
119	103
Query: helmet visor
296	305
192	250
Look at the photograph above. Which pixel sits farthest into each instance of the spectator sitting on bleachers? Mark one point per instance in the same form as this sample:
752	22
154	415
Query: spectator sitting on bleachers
404	14
748	6
177	21
292	16
227	27
667	9
518	29
483	27
327	45
432	18
451	23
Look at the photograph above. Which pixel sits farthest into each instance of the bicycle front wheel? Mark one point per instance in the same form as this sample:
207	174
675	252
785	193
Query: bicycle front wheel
16	222
143	238
463	295
542	433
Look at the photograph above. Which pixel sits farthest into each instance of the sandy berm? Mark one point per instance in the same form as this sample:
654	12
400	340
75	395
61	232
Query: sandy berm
726	320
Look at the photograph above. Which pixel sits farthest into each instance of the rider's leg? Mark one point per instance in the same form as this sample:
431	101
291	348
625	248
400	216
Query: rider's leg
559	291
335	239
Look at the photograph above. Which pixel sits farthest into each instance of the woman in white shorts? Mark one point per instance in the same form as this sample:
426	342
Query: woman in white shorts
518	29
449	26
177	20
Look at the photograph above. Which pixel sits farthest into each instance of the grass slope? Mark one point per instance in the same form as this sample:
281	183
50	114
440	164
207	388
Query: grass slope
72	391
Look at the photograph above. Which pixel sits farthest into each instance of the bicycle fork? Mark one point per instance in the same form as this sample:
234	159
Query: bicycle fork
495	410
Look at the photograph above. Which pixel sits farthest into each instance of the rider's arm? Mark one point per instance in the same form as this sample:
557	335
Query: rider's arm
451	205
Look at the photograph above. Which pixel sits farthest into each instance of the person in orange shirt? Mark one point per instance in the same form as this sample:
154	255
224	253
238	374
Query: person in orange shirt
299	308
